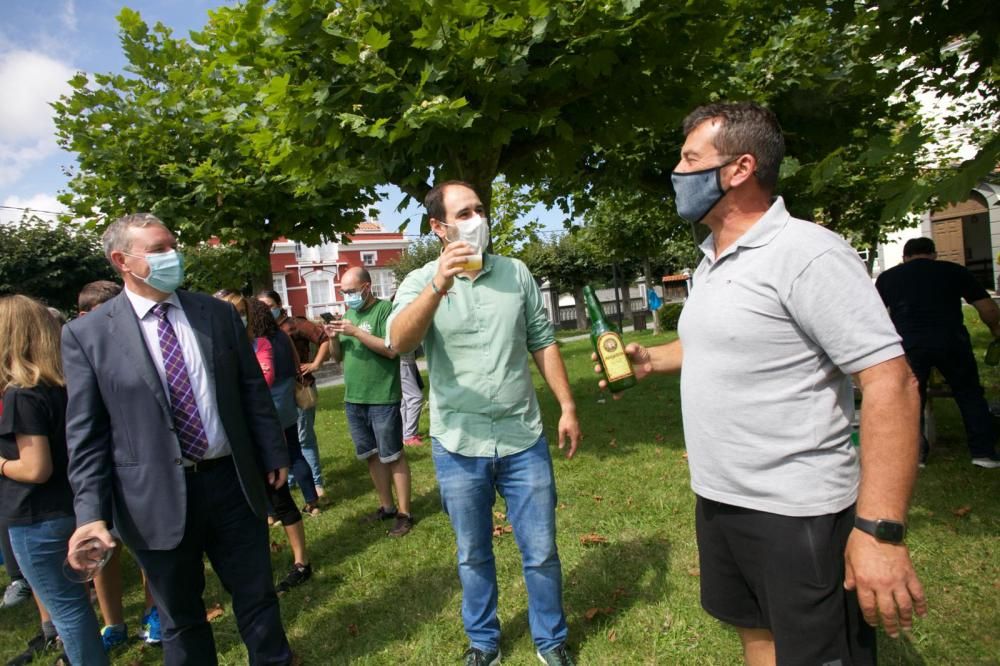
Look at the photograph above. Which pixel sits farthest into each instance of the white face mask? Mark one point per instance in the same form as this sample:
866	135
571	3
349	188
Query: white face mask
474	231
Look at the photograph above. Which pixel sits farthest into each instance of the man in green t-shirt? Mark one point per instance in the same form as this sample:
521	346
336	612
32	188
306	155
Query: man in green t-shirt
372	395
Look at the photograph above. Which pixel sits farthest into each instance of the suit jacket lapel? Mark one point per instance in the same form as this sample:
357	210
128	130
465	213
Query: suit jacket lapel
202	326
123	327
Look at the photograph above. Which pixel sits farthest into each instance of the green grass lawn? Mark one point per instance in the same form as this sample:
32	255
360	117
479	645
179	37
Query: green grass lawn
631	600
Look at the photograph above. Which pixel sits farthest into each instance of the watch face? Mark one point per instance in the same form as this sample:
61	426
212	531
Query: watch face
887	530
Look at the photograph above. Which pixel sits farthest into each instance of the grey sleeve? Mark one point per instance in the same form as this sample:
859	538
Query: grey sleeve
835	303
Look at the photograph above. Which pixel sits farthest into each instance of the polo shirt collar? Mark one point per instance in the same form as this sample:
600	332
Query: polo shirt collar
761	233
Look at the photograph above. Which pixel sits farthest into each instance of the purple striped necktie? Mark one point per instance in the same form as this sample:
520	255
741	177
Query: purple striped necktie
187	420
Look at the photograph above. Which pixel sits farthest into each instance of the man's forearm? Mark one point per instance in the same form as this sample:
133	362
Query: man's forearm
890	432
375	344
553	370
989	313
666	358
410	326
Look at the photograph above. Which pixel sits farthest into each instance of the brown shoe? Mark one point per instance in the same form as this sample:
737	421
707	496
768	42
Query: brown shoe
404	523
376	516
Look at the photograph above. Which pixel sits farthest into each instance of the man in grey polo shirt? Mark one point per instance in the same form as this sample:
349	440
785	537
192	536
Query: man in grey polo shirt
781	316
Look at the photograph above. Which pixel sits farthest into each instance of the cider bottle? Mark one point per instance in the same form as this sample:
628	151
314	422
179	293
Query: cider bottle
608	345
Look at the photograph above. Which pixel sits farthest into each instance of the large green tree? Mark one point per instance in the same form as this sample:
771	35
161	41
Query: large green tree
50	261
169	136
533	90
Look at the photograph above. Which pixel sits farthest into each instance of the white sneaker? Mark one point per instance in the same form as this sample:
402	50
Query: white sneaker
986	463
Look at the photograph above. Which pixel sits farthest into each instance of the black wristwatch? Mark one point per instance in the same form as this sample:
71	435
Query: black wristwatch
889	531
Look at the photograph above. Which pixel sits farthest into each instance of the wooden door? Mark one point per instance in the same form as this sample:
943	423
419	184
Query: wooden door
949	240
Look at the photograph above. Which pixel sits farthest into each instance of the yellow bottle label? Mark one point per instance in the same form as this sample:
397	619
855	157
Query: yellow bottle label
613	357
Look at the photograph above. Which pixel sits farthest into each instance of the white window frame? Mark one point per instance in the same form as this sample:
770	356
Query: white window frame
279	283
383	282
369	253
314	308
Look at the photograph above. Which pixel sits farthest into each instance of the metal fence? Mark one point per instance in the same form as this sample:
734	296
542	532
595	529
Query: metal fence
567	313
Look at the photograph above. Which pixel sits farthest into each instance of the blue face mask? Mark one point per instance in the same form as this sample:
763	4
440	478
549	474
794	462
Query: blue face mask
276	313
354	301
697	192
166	270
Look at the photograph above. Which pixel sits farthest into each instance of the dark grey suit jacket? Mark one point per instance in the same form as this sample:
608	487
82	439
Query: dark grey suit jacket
124	457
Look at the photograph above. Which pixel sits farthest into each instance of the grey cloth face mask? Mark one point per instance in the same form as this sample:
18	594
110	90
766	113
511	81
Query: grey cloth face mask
697	192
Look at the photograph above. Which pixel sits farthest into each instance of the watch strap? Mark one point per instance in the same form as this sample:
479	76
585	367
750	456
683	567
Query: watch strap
890	531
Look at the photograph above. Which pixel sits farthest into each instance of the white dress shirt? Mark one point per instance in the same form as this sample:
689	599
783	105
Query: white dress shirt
201	382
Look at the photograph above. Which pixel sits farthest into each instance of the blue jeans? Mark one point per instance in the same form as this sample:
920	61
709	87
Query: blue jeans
40	550
310	447
468	488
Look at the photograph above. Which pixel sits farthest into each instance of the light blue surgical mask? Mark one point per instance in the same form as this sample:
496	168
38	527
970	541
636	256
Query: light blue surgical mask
166	270
276	313
697	192
354	301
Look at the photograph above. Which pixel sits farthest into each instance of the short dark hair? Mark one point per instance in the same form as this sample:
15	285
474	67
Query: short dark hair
96	293
434	201
747	128
271	294
919	246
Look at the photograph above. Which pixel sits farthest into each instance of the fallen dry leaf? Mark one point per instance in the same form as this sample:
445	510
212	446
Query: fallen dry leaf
598	498
276	547
962	511
694	571
352	629
500	515
215	612
497	530
613	444
592	539
684	455
658	437
508	529
612	636
591	613
562	506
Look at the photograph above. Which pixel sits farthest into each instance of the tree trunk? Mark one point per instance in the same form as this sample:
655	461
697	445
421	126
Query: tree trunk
624	281
581	309
259	276
647	272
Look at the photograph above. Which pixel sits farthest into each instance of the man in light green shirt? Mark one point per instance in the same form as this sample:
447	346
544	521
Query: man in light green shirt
479	325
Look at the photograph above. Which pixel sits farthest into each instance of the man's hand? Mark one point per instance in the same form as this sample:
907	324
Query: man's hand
277	477
340	326
95	530
569	431
451	263
642	364
886	584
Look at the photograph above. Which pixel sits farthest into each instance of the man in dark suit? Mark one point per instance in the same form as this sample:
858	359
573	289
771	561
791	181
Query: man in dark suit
170	429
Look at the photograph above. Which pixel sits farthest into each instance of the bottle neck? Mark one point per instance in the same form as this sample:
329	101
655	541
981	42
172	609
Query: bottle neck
594	310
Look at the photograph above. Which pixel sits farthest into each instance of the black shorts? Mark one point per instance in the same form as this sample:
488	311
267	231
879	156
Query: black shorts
762	570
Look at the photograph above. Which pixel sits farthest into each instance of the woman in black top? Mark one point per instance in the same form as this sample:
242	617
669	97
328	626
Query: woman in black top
35	496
